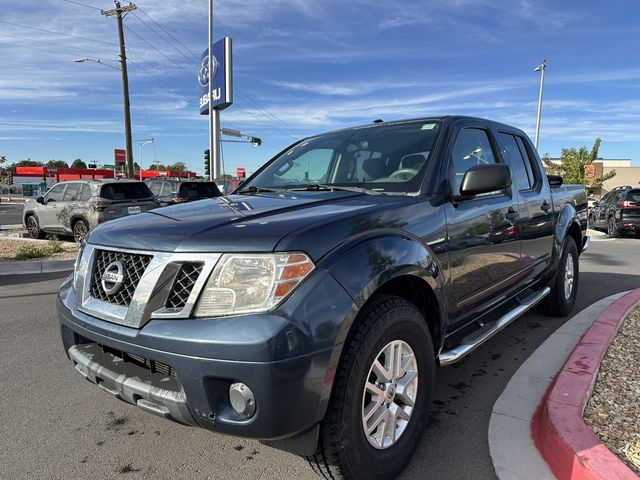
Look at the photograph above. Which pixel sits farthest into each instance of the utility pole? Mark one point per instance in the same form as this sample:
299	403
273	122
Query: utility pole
117	12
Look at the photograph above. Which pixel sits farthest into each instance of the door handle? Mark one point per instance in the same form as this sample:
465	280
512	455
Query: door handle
546	206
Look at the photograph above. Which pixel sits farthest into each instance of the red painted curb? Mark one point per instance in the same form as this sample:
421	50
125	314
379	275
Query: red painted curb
567	444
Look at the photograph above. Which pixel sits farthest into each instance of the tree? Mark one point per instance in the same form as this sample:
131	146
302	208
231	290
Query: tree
573	163
57	164
2	159
78	163
178	167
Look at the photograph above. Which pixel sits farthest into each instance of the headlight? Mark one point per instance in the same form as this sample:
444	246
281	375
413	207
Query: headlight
246	283
76	267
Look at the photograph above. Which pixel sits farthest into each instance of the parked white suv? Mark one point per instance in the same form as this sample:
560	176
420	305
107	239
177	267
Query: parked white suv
76	207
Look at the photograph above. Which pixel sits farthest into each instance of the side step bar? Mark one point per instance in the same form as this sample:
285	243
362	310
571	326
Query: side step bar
473	341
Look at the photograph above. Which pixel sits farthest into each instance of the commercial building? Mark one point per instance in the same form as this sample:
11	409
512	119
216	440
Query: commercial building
625	174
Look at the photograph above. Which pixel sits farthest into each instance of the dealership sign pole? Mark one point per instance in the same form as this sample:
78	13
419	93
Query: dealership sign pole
216	91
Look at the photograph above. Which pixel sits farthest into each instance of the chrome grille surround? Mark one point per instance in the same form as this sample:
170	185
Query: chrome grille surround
135	265
153	290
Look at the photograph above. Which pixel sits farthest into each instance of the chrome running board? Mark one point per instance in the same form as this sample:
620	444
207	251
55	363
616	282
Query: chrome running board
474	340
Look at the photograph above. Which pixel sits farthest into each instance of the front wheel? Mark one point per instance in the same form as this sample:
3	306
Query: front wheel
565	284
33	227
381	395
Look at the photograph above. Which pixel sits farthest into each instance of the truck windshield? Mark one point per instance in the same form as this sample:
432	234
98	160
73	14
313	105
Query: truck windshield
379	158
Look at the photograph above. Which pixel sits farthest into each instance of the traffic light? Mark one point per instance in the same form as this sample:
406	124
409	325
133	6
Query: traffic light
207	170
10	178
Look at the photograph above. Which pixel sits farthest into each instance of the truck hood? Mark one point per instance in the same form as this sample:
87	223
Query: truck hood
237	223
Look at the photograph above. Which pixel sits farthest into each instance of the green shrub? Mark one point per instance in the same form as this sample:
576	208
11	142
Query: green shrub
37	250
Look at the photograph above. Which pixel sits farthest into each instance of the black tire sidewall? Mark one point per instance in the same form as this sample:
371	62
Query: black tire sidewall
570	248
367	461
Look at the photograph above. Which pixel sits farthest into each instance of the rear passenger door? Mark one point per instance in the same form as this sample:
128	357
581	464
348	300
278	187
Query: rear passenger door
48	213
535	210
69	207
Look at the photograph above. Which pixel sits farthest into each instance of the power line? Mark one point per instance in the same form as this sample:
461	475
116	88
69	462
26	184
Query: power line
159	51
169	33
82	4
56	33
171	44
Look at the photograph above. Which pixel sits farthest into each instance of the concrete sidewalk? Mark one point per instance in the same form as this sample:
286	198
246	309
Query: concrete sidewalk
514	454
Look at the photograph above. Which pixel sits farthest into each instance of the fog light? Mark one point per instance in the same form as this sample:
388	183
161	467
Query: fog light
242	400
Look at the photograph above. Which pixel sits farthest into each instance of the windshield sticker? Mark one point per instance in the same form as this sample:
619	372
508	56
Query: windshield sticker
428	126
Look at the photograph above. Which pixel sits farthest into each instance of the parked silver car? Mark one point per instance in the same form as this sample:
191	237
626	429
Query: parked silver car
76	207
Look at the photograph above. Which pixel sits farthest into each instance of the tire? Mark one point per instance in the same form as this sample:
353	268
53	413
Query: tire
557	303
33	227
612	230
80	230
344	450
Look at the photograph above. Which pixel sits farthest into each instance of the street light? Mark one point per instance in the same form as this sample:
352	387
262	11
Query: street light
96	60
142	145
540	68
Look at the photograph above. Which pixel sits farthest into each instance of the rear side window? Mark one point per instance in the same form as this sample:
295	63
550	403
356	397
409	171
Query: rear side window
125	191
85	195
513	156
199	189
530	162
155	188
72	193
633	196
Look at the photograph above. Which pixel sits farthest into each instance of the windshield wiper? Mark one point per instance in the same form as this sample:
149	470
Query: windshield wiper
314	187
254	189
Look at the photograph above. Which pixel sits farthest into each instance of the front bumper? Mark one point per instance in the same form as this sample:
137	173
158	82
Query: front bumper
286	357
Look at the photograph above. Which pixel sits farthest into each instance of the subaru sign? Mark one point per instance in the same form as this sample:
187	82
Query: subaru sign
221	86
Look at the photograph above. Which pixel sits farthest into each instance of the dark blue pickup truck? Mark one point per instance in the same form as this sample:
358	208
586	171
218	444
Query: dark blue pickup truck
312	308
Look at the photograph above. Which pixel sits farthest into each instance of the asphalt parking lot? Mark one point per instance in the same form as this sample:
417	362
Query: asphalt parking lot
10	213
57	425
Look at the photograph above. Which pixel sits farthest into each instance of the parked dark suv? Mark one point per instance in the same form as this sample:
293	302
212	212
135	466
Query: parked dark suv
618	211
169	191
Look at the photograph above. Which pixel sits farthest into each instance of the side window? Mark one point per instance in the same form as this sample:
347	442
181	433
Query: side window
530	162
513	156
72	193
85	194
55	194
155	188
472	148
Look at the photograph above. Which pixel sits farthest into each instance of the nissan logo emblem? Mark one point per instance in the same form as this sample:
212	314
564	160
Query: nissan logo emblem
113	277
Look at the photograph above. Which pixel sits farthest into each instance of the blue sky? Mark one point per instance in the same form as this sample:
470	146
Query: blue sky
307	66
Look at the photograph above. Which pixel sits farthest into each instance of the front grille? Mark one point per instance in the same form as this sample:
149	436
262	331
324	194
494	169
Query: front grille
134	266
183	284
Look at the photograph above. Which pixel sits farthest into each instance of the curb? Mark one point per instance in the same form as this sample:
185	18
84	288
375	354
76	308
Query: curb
39	266
570	448
513	453
11	227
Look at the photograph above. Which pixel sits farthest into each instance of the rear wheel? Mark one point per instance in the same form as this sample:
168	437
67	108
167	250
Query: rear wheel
612	230
80	230
381	395
565	285
33	227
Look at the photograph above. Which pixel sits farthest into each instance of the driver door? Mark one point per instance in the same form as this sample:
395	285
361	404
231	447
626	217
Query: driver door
49	212
484	246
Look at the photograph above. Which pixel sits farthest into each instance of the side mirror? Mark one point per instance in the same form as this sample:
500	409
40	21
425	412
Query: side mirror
555	180
40	200
485	178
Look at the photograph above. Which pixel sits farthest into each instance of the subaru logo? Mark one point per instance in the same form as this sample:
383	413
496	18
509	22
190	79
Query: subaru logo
113	277
203	71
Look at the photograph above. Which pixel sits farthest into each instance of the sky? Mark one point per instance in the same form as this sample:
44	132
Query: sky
302	67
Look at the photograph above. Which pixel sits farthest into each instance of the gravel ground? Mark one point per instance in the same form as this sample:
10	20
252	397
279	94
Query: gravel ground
9	248
613	411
